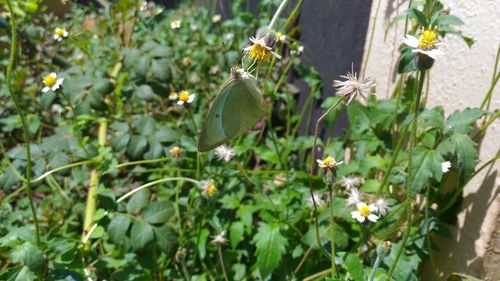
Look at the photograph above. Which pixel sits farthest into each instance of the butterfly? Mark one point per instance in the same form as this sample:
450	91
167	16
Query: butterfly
237	108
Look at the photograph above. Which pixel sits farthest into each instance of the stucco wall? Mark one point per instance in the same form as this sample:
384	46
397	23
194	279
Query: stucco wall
459	79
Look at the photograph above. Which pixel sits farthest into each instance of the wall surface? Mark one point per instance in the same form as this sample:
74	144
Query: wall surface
459	79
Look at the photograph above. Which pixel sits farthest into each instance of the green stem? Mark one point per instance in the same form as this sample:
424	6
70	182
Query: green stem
375	267
482	130
292	16
221	258
277	14
19	110
409	190
139	188
392	163
332	231
370	44
487	98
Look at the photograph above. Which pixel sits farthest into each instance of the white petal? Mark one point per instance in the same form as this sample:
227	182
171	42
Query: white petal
373	218
65	33
56	37
355	214
372	208
360	204
181	102
361	219
411	41
191	98
45	89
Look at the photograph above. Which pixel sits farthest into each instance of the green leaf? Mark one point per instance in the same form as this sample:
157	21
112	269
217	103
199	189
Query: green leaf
24	275
155	150
461	277
426	164
118	227
31	256
236	232
449	20
418	16
271	246
138	201
146	125
137	146
406	62
158	212
465	150
202	242
462	121
166	239
141	234
355	267
145	92
433	118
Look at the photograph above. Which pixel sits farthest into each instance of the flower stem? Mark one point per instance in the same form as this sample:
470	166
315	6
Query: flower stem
222	264
332	229
409	190
20	112
277	14
375	267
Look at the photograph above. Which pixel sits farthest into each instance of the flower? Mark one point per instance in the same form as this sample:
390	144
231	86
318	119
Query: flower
445	166
426	44
216	18
354	198
173	96
351	182
382	206
316	197
175	24
208	187
185	97
219	239
143	5
59	34
51	82
329	162
364	212
280	37
176	152
279	180
223	152
352	87
259	50
297	51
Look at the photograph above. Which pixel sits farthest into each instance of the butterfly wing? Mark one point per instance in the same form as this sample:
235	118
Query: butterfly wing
243	108
212	132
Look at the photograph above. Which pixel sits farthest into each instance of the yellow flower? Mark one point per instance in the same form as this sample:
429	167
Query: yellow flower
216	18
426	44
185	97
60	33
51	82
175	24
176	152
328	162
208	187
259	50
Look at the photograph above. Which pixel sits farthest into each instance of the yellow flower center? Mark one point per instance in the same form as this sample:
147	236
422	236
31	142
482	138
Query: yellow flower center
364	210
259	51
211	189
184	96
329	161
50	80
428	39
278	36
176	151
59	32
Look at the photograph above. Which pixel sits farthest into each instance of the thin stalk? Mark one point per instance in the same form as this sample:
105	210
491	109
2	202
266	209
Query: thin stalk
332	230
140	162
482	130
293	14
185	271
72	165
372	35
222	264
20	112
375	267
487	98
274	20
392	163
139	188
311	172
409	191
90	207
303	110
427	228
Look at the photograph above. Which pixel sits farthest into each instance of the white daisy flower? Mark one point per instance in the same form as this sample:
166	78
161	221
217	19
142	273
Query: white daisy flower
351	182
354	198
353	87
223	152
219	239
382	206
51	82
216	18
60	34
329	162
259	49
364	212
185	97
445	166
175	24
427	43
317	198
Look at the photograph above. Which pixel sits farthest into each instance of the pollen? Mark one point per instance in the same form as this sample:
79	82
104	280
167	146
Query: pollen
211	189
259	51
329	161
184	96
428	39
364	210
50	80
59	32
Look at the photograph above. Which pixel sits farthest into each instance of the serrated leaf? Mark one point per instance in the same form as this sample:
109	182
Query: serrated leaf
141	234
462	121
31	256
465	149
432	118
355	267
118	227
158	212
236	232
138	201
461	277
145	92
271	246
418	16
426	164
166	239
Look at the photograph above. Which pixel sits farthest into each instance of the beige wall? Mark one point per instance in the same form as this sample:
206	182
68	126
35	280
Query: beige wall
459	79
